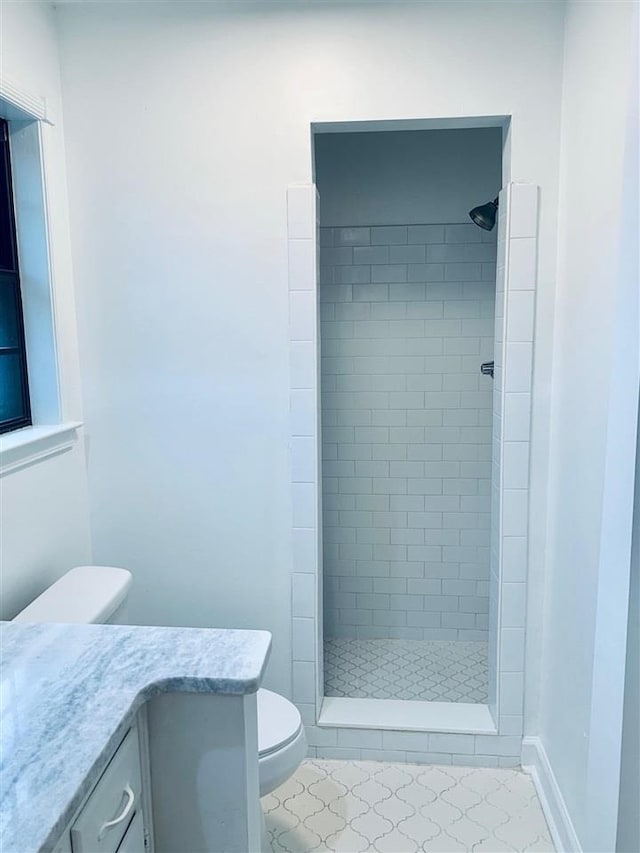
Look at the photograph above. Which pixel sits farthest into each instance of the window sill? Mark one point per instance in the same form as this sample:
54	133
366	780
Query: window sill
29	445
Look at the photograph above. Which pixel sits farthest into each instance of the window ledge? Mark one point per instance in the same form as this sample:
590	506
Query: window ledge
29	445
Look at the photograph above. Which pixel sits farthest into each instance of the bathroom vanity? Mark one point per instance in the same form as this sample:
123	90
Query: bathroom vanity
123	739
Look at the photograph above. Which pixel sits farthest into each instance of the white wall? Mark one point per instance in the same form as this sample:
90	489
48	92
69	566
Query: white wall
179	155
406	177
595	388
44	524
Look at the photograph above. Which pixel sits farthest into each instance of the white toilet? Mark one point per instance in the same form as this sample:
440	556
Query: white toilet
98	594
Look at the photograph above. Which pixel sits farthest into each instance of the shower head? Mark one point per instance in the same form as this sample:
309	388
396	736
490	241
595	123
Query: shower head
484	216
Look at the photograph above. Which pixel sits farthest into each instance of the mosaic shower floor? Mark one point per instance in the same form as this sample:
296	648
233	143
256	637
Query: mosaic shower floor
401	808
431	670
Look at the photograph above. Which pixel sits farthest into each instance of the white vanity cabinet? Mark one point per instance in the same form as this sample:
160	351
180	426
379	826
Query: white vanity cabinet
183	778
129	738
112	818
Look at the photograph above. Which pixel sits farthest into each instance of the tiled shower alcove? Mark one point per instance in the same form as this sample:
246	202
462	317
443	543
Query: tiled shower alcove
514	316
406	319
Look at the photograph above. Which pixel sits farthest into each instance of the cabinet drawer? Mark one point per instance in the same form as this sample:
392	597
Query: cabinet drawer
101	824
133	841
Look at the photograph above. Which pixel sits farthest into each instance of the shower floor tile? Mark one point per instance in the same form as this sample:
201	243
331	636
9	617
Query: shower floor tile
397	808
431	670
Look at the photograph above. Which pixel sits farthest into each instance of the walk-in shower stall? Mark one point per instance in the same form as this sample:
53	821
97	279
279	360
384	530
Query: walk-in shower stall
407	305
411	330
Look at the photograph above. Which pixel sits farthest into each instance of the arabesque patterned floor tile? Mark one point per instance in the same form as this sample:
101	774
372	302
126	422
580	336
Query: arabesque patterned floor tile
351	806
431	670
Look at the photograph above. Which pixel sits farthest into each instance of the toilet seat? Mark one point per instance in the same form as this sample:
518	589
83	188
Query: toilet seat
279	722
282	743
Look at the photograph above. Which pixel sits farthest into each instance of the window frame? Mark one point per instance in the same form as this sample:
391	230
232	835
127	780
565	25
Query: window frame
37	164
13	273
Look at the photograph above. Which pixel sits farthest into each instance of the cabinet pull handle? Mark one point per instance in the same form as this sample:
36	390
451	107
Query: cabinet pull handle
126	811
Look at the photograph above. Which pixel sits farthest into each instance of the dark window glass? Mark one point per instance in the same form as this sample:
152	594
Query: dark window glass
9	312
14	391
11	399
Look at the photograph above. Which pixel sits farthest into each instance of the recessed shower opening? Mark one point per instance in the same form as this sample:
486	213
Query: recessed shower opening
407	290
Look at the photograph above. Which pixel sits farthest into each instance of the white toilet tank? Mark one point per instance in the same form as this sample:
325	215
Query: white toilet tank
86	594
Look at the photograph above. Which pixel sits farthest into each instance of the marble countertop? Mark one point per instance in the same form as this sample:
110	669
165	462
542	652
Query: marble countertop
68	694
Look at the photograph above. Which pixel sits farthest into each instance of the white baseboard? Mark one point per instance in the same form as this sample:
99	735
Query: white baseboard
536	762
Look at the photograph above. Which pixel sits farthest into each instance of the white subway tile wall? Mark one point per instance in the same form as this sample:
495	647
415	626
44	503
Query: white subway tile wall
406	319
